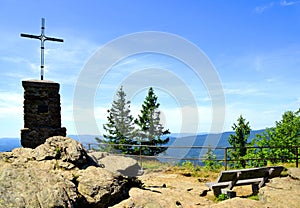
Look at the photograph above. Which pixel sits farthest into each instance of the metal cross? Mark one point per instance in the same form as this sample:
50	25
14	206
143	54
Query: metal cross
42	38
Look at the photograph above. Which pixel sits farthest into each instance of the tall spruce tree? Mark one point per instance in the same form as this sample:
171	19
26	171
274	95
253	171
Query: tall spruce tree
120	126
150	130
239	141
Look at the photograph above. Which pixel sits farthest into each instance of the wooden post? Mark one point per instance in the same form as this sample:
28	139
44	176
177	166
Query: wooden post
297	157
225	158
141	157
236	178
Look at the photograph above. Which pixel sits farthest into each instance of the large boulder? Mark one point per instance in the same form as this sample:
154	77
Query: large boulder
58	173
67	152
104	191
65	149
119	165
35	186
280	192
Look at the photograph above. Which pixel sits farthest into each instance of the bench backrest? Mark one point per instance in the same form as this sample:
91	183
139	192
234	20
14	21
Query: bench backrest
249	173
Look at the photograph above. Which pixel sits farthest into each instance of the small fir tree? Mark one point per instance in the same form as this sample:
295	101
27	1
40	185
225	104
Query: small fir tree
239	141
210	160
150	130
120	126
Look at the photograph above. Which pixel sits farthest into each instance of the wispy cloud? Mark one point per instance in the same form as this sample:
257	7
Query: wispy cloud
22	61
261	9
288	3
11	104
271	79
258	116
186	119
247	91
284	3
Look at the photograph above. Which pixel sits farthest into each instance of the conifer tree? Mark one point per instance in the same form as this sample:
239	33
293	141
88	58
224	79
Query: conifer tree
150	130
120	126
239	141
210	160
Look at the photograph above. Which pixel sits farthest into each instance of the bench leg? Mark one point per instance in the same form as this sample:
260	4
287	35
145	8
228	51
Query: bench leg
229	193
217	191
255	188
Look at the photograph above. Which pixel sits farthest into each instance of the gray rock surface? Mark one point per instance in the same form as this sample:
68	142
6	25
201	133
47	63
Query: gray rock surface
281	192
294	173
36	186
102	191
120	165
66	149
58	173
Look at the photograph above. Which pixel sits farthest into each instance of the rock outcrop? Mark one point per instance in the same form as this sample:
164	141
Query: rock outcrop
282	192
294	173
119	165
58	173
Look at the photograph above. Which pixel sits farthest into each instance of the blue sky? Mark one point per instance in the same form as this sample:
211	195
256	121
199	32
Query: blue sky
253	45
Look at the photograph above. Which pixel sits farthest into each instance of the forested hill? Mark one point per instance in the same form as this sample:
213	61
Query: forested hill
213	140
7	144
199	139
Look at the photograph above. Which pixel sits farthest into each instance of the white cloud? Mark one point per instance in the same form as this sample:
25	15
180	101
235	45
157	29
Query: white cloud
186	119
243	91
11	114
262	9
33	66
289	3
258	116
10	104
283	3
238	89
135	60
276	77
271	79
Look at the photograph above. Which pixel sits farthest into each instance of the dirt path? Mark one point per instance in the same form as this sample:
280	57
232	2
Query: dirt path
169	190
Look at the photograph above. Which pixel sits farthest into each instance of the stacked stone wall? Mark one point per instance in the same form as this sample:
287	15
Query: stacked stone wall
42	112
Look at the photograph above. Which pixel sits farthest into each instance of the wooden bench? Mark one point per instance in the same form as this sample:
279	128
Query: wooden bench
257	177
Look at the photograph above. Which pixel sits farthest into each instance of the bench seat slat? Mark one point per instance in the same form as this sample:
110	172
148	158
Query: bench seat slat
239	183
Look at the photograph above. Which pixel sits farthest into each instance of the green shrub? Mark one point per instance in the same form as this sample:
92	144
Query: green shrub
254	197
222	197
210	160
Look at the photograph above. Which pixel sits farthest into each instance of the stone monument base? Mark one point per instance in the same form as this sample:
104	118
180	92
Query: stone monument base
42	118
31	138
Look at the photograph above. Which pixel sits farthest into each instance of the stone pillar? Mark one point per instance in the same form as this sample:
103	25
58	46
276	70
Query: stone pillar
42	118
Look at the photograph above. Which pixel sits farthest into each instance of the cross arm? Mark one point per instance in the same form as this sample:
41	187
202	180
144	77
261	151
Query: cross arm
54	39
30	36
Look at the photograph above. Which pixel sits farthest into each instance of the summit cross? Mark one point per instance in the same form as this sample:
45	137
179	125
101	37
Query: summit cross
42	38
